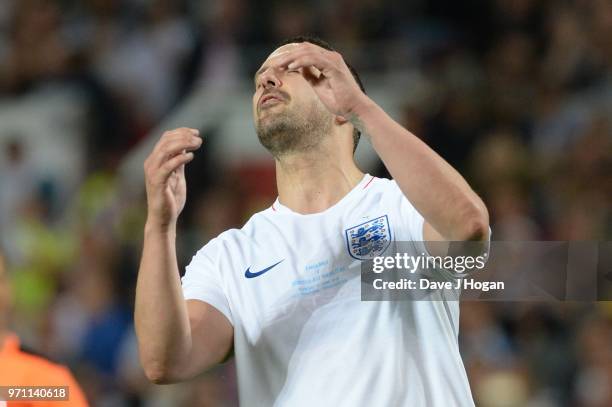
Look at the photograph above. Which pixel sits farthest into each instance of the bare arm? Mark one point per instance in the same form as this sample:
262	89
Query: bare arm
176	339
452	210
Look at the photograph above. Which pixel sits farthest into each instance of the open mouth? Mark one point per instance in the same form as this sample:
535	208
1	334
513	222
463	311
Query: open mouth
270	100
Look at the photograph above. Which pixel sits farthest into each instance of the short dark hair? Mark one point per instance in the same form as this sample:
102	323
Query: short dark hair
324	44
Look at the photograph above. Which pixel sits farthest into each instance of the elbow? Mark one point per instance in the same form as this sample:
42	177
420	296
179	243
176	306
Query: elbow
475	224
159	373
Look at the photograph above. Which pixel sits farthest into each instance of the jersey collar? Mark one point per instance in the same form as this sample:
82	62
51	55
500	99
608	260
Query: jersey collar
277	207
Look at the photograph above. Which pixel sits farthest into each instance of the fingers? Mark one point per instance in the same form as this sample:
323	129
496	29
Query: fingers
300	59
171	153
173	164
171	144
312	75
306	55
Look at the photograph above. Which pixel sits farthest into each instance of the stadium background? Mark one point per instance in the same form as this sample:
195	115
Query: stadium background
516	94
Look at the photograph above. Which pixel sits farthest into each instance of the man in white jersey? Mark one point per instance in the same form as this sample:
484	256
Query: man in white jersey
283	292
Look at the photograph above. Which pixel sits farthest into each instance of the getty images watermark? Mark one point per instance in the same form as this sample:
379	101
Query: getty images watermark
427	265
549	271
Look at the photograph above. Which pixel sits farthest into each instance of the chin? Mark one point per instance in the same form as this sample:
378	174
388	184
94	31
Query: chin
271	118
271	110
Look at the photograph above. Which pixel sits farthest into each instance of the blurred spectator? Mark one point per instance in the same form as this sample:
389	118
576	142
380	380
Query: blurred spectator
594	381
17	185
36	50
22	367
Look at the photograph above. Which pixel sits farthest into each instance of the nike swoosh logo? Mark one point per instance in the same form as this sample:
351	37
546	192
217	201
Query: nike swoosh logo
248	273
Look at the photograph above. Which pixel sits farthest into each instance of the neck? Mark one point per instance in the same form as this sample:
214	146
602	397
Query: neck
313	181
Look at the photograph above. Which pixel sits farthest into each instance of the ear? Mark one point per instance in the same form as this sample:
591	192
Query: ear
340	120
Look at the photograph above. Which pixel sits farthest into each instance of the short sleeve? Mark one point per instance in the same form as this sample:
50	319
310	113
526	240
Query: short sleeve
202	280
411	221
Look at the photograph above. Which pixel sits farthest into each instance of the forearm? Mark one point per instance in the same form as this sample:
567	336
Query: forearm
161	318
433	186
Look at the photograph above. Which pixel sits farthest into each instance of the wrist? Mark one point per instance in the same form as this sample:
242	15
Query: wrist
154	227
360	112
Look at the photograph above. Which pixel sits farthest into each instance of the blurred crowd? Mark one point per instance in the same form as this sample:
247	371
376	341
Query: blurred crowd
516	94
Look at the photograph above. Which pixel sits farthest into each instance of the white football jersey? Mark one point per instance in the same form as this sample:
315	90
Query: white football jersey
290	285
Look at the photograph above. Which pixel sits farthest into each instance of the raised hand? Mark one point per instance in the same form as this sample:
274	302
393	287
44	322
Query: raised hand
165	175
328	74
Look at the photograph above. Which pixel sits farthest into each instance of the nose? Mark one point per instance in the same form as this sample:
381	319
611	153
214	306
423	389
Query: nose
270	79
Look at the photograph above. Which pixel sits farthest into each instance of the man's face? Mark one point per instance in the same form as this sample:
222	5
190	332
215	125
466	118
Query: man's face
288	115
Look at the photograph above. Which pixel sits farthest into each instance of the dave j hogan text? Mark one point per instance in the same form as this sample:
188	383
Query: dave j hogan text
426	284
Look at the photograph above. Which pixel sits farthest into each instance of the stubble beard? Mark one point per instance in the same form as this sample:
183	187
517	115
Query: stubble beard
293	130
